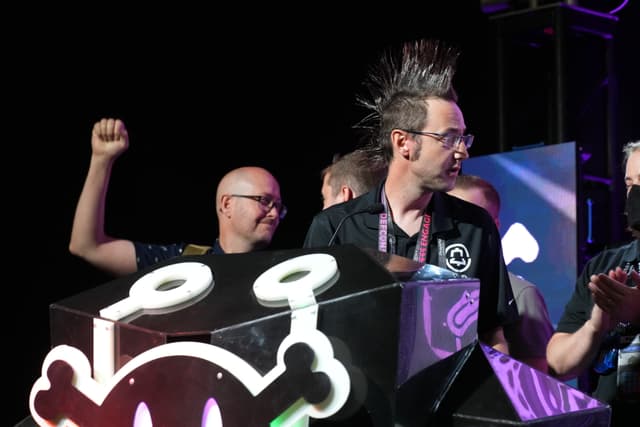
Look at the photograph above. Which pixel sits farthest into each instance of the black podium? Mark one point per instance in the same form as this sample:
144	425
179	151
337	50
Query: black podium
335	336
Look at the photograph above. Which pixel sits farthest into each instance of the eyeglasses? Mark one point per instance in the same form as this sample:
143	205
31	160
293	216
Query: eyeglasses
449	140
266	202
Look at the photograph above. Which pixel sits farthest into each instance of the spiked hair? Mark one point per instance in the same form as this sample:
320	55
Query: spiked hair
399	87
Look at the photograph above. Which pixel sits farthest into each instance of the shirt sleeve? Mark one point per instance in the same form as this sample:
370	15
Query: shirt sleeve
578	309
530	334
148	254
506	305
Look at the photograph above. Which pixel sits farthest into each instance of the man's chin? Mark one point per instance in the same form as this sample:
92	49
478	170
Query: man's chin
263	242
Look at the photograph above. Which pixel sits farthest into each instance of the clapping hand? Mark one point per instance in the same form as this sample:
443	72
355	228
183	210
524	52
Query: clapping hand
617	301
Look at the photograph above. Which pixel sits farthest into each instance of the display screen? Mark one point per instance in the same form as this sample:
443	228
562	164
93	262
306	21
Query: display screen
537	187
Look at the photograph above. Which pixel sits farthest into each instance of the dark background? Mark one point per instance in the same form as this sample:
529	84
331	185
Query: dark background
202	92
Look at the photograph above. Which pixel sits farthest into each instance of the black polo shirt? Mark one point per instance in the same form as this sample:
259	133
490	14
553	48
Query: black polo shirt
462	238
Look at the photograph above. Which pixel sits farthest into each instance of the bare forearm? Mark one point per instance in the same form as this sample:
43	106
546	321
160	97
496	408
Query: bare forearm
569	355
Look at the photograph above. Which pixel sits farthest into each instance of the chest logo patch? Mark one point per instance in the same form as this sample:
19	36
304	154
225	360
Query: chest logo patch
457	258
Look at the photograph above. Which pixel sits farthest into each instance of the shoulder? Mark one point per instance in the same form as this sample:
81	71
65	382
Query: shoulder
346	217
521	286
613	256
338	211
452	212
519	282
169	248
149	253
194	249
461	209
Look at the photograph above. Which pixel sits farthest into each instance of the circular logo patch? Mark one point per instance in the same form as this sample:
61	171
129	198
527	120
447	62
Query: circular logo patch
458	259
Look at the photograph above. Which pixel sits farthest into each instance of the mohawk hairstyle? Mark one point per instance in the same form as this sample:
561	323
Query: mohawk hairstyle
419	70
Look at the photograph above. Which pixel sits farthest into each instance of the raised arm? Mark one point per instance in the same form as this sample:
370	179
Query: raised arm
109	139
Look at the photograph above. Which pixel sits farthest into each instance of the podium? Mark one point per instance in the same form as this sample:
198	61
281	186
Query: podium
331	336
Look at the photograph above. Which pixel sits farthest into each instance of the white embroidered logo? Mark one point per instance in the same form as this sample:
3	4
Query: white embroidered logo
457	257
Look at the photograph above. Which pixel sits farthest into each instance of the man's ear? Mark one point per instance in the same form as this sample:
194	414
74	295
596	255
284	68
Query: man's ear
347	193
399	141
225	204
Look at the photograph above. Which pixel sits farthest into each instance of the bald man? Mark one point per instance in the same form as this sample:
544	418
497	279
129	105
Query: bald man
248	206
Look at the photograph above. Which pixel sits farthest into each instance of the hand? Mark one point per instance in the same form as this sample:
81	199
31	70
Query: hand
620	302
109	138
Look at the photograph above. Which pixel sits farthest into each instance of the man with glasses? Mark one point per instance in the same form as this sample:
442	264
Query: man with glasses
248	206
417	126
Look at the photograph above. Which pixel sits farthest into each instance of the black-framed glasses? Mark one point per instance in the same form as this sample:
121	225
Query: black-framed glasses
266	202
449	140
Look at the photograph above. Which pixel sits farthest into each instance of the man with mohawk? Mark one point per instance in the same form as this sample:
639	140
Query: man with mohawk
416	124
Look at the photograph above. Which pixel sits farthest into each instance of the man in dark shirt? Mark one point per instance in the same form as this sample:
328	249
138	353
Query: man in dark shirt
417	126
601	322
350	176
248	206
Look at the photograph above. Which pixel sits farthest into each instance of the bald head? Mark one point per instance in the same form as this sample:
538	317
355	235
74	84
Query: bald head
245	224
251	180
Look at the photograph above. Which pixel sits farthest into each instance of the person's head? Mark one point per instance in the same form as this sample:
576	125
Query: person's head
249	209
631	162
350	176
480	192
415	121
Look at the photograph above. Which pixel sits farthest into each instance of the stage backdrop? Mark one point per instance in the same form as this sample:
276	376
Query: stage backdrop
537	186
